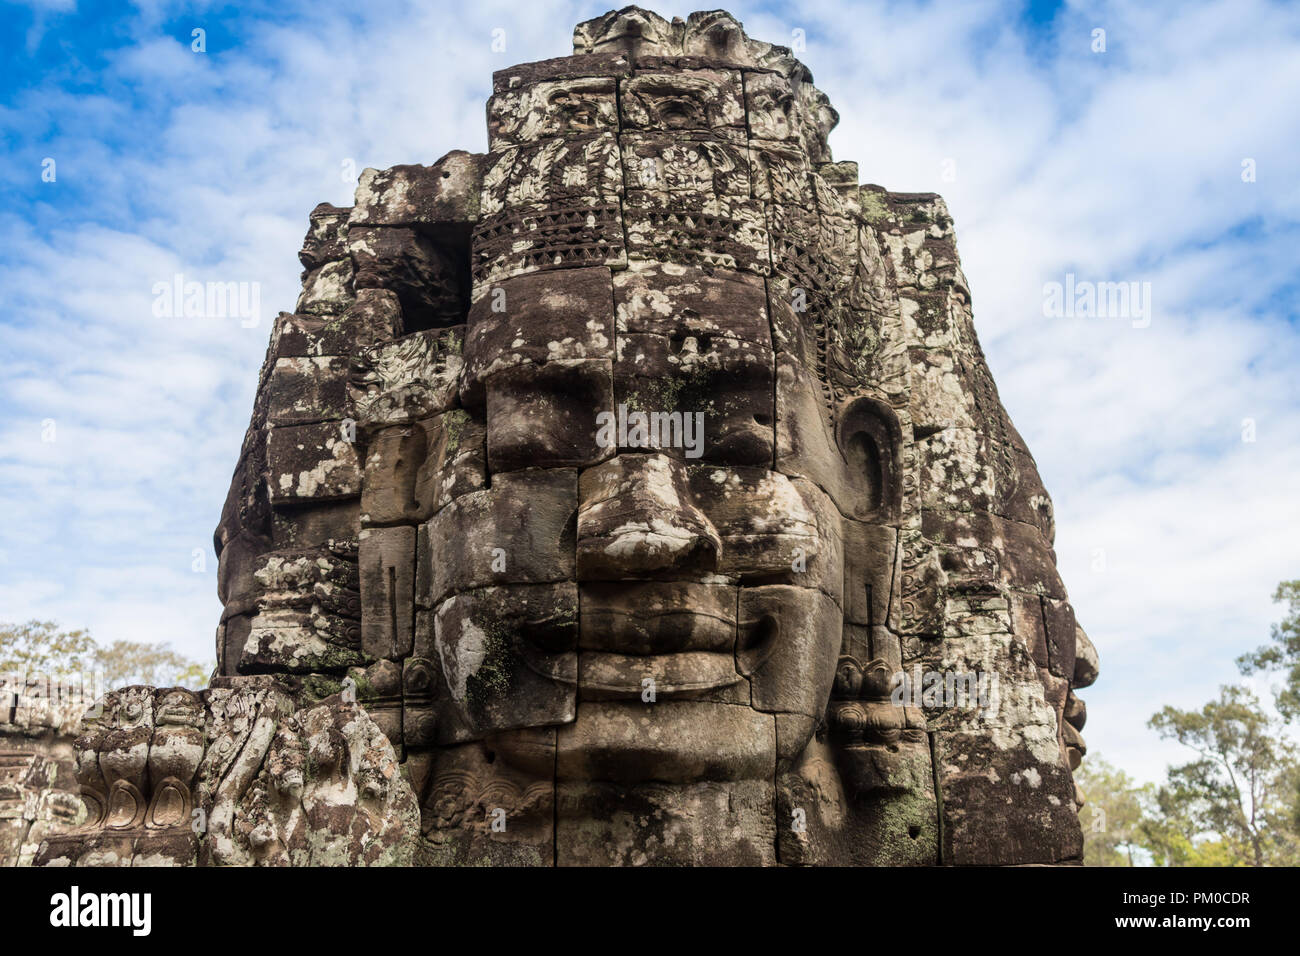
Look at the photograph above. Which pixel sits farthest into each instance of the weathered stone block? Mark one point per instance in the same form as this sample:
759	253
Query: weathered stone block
317	525
580	171
374	317
701	172
387	566
1003	806
295	640
309	463
545	416
483	811
697	824
674	741
1061	629
696	397
788	646
327	290
436	199
668	229
508	656
686	300
524	75
681	101
560	107
326	237
408	380
637	518
519	531
414	470
872	573
538	237
529	320
772	529
307	390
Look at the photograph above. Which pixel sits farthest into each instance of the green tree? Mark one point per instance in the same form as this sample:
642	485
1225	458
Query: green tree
39	647
1238	793
131	662
1111	814
1171	836
1283	654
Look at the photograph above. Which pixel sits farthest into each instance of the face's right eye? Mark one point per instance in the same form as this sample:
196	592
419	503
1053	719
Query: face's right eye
545	416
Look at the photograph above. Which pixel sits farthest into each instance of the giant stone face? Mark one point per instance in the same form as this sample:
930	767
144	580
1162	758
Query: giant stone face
646	477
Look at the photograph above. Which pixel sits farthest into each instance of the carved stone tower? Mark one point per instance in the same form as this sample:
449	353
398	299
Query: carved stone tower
645	481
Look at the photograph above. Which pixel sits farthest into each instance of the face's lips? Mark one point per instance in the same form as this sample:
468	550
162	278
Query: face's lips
621	676
680	634
639	618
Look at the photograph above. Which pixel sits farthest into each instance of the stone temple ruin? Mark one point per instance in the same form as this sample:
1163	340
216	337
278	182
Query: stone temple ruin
464	625
39	720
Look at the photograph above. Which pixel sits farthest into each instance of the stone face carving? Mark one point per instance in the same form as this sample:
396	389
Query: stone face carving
646	480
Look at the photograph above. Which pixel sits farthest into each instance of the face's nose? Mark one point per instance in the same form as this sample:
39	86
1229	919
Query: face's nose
1086	664
636	518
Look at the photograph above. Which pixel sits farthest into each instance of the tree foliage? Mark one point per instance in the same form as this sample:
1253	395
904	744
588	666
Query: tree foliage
40	647
1237	802
1283	652
1239	792
1111	814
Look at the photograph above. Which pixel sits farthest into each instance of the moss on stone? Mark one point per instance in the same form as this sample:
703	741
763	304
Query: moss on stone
873	207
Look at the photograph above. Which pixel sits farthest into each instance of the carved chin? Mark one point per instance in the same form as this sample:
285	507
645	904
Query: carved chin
680	742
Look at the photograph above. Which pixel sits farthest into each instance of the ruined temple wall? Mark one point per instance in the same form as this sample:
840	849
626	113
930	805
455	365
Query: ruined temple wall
297	484
288	538
39	719
356	440
245	772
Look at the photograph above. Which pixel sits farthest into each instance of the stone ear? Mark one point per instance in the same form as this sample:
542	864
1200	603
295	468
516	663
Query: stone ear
871	439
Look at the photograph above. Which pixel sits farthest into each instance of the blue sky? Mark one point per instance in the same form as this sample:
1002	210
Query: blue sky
1123	165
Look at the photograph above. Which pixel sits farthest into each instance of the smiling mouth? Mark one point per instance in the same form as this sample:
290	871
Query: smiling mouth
679	639
675	637
622	676
651	618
